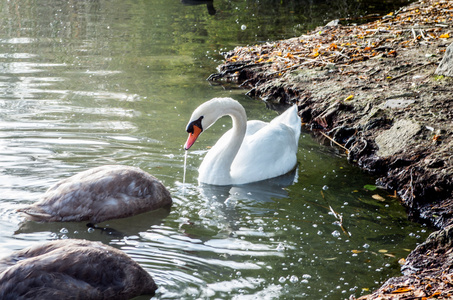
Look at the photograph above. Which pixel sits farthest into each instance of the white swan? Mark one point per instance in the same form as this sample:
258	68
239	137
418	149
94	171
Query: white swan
100	194
250	151
72	269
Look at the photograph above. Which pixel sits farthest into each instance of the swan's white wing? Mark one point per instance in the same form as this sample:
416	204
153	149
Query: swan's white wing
268	152
253	126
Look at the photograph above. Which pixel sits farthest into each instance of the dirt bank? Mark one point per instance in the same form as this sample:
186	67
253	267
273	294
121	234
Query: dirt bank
372	89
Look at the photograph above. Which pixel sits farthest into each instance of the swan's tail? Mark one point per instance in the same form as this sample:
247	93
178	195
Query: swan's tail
291	119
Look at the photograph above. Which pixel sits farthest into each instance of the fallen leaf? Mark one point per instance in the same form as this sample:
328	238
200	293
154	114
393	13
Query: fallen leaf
445	35
392	53
435	294
378	197
402	290
370	187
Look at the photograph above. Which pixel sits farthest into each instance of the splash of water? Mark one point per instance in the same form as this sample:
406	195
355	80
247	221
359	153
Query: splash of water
184	175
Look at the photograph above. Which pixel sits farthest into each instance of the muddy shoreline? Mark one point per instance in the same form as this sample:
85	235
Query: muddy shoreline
372	90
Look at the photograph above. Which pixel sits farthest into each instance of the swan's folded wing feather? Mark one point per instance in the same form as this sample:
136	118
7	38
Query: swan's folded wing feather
267	153
35	213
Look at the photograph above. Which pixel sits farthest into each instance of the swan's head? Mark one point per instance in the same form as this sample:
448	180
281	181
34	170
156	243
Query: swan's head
204	116
194	128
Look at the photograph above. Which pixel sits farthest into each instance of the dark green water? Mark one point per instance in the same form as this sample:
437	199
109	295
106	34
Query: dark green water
89	83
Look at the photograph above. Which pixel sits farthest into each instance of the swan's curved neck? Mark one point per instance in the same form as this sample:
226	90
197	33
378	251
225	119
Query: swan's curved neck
220	160
239	117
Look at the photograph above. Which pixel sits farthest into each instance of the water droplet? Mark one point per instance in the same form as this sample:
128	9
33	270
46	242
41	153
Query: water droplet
63	230
336	233
229	202
282	279
243	27
293	279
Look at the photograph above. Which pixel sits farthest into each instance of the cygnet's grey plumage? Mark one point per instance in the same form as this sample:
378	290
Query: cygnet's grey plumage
72	269
100	194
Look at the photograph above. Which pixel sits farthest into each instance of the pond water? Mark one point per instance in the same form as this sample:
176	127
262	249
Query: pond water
90	83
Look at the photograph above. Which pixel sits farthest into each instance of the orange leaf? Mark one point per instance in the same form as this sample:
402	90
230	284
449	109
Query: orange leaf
402	290
393	52
435	294
445	35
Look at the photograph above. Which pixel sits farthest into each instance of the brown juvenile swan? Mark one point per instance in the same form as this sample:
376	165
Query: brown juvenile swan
72	269
100	194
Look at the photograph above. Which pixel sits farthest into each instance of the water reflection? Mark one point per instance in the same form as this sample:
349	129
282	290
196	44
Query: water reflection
89	83
209	4
249	194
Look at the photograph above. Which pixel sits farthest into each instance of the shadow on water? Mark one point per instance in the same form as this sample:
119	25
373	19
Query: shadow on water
251	196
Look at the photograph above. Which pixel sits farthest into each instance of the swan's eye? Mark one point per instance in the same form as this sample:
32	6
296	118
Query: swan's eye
195	123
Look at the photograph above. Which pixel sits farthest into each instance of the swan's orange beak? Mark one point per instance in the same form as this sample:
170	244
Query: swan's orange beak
192	137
